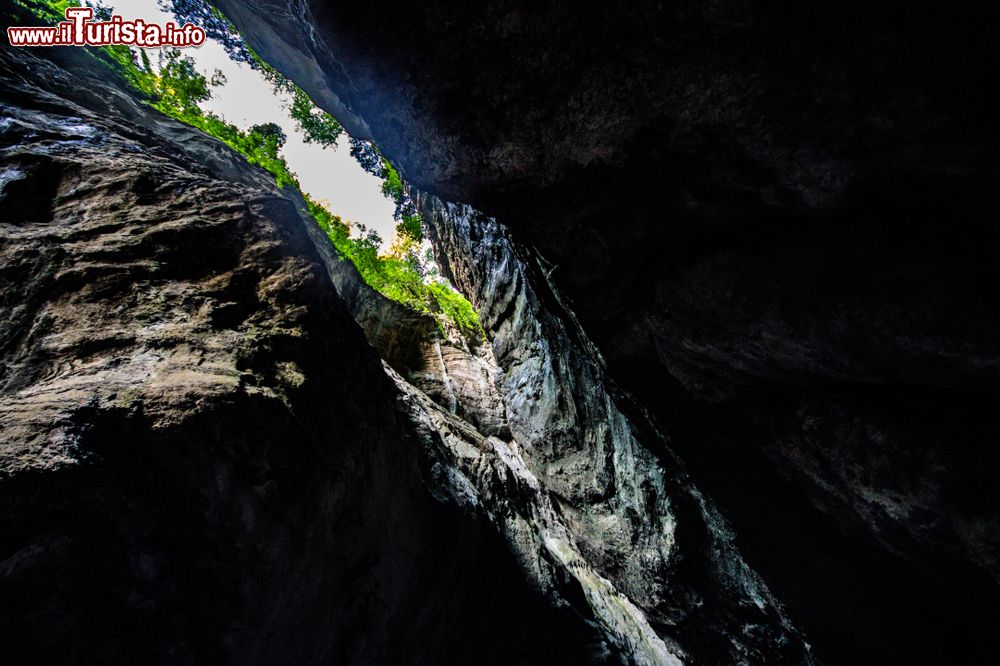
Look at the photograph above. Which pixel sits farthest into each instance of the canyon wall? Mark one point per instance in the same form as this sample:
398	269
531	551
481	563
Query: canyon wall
736	265
202	460
775	223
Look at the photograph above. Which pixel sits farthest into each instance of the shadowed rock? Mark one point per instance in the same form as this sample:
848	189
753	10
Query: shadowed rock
777	224
201	458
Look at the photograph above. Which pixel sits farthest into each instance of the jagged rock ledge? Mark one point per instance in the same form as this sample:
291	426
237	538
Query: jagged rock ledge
201	457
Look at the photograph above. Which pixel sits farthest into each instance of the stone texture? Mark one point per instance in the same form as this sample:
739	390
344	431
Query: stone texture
201	458
524	433
465	383
777	225
592	502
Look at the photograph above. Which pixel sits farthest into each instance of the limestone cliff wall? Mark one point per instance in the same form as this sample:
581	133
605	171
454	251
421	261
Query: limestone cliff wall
201	457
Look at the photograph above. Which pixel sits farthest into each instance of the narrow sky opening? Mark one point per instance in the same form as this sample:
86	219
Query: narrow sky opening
330	176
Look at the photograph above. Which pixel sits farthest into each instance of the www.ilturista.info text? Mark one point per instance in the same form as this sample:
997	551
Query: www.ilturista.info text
79	29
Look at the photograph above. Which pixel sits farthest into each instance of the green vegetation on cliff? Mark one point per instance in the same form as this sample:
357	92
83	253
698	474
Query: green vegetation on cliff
398	273
176	88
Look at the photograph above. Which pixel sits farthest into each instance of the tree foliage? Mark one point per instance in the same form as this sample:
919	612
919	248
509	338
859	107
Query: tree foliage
411	226
216	25
175	87
269	138
399	273
316	125
178	87
368	157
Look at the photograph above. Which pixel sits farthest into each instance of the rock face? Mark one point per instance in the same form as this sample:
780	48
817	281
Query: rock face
772	227
591	504
777	226
201	458
522	431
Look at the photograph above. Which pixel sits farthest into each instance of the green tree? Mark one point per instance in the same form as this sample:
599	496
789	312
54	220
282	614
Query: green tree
268	138
179	85
176	88
368	157
217	27
316	125
411	226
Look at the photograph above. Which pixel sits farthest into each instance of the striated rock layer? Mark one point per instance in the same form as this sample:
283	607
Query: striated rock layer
524	431
776	222
201	458
590	501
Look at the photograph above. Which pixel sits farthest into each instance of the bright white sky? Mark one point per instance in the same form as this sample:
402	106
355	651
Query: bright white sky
329	176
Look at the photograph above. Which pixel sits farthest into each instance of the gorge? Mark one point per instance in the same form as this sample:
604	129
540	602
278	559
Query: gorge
732	402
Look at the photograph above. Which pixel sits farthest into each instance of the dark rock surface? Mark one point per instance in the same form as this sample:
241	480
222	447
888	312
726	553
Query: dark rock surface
618	501
201	458
524	431
776	222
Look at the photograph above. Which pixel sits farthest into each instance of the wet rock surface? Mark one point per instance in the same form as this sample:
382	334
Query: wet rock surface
776	225
201	458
